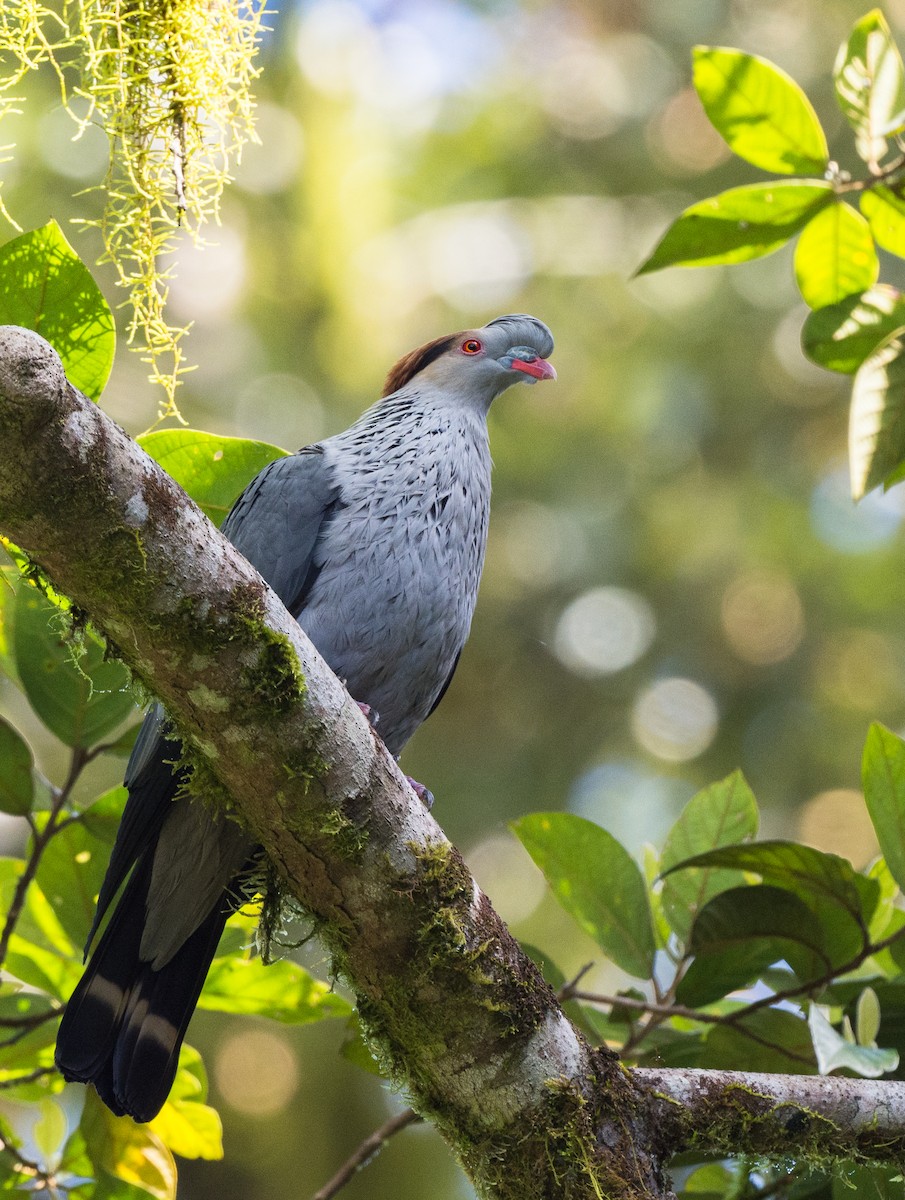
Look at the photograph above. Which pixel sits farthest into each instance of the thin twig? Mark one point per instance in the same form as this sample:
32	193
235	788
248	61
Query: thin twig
568	991
30	1077
648	1006
27	1024
41	837
812	985
39	1180
880	175
362	1156
30	1020
666	1010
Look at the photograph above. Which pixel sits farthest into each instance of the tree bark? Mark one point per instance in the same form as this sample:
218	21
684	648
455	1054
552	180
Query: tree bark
453	1009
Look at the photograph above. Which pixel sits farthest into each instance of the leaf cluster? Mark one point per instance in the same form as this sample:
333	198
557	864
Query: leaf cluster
748	955
761	955
171	86
59	1137
842	223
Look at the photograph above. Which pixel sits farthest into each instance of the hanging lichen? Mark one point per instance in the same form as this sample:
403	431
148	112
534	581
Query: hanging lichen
170	82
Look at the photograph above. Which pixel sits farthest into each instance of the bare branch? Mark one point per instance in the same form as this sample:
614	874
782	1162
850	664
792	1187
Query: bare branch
462	1018
40	840
459	1015
371	1146
779	1116
27	1077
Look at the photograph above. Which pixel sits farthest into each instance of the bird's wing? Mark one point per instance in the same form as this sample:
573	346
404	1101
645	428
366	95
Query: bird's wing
277	520
275	523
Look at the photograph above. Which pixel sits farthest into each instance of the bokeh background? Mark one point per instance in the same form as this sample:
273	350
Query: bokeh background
677	582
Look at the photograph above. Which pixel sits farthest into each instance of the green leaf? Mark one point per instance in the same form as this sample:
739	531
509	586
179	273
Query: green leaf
41	952
50	1132
761	112
17	787
190	1129
863	1183
186	1125
103	815
597	882
816	877
42	1128
883	780
738	225
720	815
834	1052
128	1151
39	924
767	1040
283	991
70	874
711	1182
354	1049
79	703
841	336
867	1018
46	287
885	213
835	256
39	967
123	744
743	931
212	469
876	428
33	1048
870	85
9	576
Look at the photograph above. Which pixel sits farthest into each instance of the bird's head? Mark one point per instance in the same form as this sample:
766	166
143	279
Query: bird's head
478	364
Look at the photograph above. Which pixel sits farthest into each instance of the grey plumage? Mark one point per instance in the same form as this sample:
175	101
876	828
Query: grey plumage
374	539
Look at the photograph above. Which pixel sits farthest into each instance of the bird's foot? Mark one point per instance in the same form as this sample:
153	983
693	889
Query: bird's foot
425	795
372	716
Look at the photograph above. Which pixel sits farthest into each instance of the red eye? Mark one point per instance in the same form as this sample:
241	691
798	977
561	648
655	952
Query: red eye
472	346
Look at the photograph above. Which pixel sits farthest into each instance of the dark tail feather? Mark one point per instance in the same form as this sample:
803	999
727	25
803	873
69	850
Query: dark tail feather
124	1024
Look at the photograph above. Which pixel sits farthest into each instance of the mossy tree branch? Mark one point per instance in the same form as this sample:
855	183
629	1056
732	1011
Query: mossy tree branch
455	1011
457	1014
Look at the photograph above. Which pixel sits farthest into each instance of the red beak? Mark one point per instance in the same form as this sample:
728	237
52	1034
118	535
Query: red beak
539	368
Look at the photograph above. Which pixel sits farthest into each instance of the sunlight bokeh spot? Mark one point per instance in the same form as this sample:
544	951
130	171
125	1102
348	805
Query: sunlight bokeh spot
587	87
681	134
504	871
83	158
787	351
675	719
762	617
539	544
211	279
860	670
477	256
633	802
270	164
256	1072
836	821
849	527
604	631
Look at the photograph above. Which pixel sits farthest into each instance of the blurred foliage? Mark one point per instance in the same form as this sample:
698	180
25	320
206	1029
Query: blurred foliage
677	583
44	286
767	120
170	86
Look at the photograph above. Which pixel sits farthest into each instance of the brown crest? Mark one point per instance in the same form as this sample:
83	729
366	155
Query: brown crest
416	360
